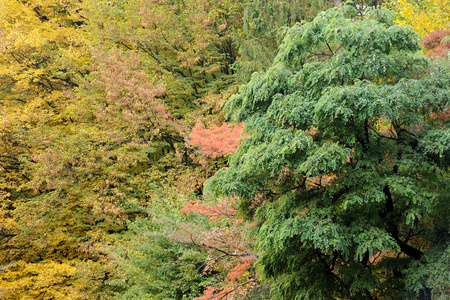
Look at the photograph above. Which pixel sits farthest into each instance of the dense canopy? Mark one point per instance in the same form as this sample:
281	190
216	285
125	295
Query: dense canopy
345	164
224	149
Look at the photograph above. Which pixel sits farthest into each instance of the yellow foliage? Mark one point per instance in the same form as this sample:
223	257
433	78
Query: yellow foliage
40	48
46	279
422	16
43	51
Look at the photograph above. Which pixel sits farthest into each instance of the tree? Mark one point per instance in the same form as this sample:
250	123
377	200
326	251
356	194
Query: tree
423	16
231	257
42	54
264	25
345	163
96	171
152	266
186	43
216	140
262	31
90	133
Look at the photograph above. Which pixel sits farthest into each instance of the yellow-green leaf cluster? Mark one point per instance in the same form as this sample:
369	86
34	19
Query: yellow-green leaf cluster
422	16
46	279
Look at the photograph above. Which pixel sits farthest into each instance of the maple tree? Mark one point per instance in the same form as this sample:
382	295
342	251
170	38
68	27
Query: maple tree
344	161
230	253
216	140
435	44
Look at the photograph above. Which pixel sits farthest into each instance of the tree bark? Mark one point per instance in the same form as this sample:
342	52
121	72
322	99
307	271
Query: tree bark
424	294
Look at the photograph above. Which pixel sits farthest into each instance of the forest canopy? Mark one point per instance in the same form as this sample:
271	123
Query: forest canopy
260	149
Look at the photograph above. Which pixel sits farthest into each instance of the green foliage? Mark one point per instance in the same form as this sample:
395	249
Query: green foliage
345	164
262	31
186	44
154	267
432	272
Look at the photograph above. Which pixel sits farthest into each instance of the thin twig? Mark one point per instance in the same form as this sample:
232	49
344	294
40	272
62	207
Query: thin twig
238	286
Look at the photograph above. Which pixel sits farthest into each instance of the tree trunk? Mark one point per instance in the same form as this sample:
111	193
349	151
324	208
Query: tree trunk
424	294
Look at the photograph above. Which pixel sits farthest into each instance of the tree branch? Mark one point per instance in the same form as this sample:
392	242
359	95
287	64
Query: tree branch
235	288
393	229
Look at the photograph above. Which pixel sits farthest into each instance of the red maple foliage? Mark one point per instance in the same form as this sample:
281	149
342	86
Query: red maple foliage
433	43
216	140
229	251
217	212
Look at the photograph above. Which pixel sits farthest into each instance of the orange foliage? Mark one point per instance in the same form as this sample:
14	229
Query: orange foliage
241	268
433	43
442	115
216	141
232	290
214	213
230	252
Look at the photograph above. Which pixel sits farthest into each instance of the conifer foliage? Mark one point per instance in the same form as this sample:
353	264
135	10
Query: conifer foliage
345	167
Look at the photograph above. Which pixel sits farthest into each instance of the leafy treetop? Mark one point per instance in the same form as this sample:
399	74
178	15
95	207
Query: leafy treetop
344	166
